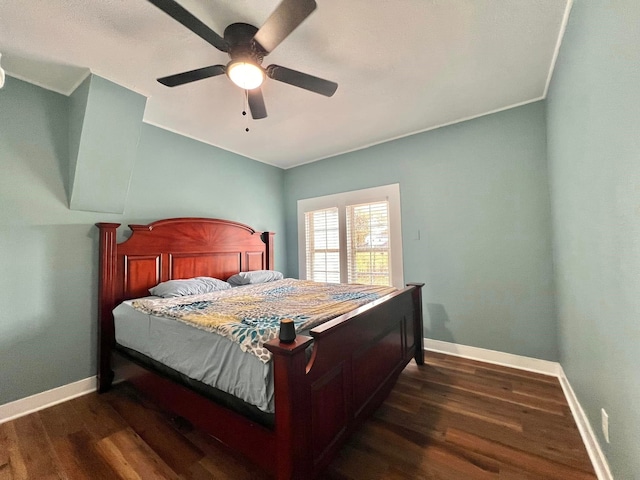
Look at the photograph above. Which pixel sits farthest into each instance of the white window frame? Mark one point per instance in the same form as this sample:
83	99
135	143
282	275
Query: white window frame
390	193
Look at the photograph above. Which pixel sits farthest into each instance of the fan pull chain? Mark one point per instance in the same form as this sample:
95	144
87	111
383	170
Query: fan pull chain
246	107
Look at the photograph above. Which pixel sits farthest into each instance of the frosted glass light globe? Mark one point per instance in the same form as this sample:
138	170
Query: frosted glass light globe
245	75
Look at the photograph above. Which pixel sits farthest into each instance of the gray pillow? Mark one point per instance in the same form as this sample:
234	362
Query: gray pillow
189	286
255	276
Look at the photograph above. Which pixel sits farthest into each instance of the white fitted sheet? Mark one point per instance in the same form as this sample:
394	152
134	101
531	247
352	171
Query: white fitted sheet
201	355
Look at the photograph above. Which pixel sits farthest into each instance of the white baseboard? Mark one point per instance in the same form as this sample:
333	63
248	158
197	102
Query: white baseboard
25	406
598	460
529	364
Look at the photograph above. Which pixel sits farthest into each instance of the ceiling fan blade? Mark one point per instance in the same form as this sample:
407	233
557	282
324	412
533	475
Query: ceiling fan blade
302	80
179	13
192	75
284	20
256	103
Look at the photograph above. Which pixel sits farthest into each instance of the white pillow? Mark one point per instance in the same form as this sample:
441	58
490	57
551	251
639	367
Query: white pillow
189	286
255	276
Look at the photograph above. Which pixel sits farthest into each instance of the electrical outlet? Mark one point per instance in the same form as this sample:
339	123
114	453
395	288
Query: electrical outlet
605	424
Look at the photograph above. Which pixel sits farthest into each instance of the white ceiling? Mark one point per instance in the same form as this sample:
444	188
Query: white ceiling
402	66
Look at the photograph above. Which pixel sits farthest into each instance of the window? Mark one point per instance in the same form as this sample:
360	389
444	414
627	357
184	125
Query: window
352	237
368	243
323	246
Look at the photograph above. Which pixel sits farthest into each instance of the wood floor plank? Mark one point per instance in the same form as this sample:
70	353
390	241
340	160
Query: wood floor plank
220	461
60	420
35	449
459	460
357	462
11	463
437	358
501	391
176	451
126	449
534	443
80	459
5	466
451	419
543	467
98	416
443	402
540	390
115	458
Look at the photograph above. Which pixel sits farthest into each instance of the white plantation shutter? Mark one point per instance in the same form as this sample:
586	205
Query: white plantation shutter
368	245
322	235
352	237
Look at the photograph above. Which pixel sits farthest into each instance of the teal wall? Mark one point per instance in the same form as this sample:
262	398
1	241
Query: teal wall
48	253
594	165
477	192
106	147
175	175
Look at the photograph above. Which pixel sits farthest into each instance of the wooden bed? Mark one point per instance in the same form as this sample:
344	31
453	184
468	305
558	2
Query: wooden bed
355	360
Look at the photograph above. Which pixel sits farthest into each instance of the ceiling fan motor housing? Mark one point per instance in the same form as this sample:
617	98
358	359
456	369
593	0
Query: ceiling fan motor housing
239	36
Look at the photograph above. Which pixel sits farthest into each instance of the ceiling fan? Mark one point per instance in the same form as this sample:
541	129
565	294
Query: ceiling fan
247	46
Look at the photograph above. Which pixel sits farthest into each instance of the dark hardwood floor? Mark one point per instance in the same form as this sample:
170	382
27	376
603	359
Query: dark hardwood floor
450	419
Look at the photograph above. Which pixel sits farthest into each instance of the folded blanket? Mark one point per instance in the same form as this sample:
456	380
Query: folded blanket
250	315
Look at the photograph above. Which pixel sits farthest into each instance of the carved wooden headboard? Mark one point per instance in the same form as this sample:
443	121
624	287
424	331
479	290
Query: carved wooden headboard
172	249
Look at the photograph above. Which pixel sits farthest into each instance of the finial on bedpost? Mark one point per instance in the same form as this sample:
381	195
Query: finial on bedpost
106	300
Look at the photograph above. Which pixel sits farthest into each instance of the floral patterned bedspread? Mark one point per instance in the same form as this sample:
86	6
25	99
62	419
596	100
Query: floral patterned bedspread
250	315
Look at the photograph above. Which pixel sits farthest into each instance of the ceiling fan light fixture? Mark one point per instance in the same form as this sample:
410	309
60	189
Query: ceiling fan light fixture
245	74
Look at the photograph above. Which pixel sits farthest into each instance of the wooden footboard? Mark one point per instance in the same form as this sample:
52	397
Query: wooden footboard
355	362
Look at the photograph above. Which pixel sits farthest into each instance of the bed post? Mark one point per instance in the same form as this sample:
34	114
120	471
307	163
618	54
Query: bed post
418	334
106	300
267	238
293	409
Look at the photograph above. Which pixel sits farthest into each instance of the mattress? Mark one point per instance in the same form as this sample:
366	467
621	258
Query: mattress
200	355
